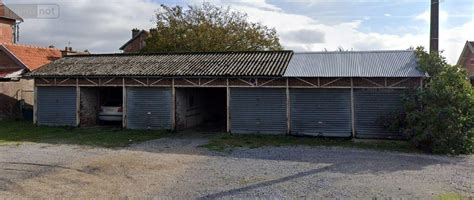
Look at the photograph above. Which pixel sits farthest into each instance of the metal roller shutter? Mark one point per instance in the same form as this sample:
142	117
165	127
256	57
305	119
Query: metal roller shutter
371	106
56	106
258	110
149	108
321	112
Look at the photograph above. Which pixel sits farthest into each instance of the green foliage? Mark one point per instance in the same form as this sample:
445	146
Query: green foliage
208	28
433	64
22	131
226	142
440	116
15	132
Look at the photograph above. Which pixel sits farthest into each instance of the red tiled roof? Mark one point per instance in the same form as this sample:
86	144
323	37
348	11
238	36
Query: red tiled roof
32	56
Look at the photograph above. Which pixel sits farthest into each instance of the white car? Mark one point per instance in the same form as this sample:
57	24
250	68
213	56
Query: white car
111	112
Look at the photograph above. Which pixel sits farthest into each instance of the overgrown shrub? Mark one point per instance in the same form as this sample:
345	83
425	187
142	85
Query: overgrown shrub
440	116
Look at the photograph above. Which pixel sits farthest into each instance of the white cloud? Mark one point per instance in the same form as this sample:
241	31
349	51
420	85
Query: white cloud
104	26
349	36
307	36
452	40
425	16
99	26
262	4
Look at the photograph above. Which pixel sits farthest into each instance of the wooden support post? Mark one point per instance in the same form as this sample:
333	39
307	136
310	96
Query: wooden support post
227	106
288	111
35	104
78	104
124	104
352	109
173	99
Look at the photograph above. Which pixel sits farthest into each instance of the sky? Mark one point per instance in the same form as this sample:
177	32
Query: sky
102	26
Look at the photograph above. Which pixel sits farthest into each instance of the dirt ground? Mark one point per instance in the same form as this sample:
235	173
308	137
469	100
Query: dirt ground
173	168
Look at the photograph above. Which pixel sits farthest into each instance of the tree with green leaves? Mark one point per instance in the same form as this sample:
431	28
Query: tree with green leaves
440	116
208	28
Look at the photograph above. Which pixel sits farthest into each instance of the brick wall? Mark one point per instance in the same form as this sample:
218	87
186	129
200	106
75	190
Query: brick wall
10	94
6	63
136	45
6	30
469	64
12	91
89	108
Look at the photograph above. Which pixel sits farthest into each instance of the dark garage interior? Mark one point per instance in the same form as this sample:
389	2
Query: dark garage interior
99	103
202	109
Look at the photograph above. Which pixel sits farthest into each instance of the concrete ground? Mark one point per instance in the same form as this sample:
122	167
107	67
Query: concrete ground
173	168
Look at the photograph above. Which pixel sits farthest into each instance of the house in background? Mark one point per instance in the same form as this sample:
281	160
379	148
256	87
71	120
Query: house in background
8	25
137	42
15	60
466	60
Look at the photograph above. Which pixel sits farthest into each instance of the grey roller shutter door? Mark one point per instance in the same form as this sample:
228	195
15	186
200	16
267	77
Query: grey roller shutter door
371	107
258	110
149	108
56	106
321	112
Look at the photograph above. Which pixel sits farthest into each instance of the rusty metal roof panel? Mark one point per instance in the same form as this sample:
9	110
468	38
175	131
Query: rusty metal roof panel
251	63
354	64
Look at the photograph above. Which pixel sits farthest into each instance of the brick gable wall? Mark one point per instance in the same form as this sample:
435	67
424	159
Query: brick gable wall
136	45
469	64
6	30
7	63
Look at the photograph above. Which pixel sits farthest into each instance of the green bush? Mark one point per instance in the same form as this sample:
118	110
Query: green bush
440	116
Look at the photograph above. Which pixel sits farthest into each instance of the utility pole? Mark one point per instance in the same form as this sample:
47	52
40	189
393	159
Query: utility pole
434	26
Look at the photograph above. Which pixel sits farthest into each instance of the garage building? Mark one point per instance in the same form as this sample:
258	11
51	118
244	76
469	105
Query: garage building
351	93
334	94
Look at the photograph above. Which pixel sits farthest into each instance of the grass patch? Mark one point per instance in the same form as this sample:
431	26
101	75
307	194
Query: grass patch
15	132
22	131
225	142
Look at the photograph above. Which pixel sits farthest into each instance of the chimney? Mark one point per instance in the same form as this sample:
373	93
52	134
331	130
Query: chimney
69	51
434	26
135	32
7	26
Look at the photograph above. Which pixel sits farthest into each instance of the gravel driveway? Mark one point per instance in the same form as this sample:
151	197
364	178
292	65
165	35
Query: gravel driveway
177	168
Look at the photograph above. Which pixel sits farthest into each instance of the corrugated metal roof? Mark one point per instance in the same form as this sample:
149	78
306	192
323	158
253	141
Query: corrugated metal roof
251	63
354	64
